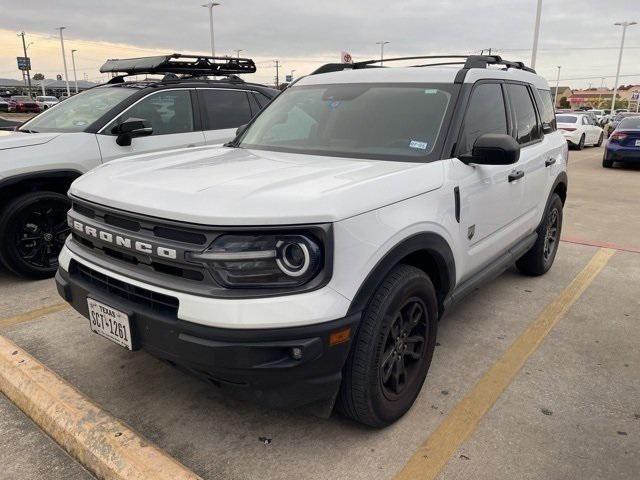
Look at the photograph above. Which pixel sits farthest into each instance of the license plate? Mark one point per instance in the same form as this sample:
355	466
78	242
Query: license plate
110	323
637	143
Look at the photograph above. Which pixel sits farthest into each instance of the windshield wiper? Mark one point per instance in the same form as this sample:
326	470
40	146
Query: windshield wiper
26	130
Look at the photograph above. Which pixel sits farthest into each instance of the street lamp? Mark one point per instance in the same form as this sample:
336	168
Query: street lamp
210	6
73	62
238	50
624	26
536	34
292	71
382	44
555	97
64	61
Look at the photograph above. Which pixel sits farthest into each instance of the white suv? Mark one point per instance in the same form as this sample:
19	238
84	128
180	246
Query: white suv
310	259
39	161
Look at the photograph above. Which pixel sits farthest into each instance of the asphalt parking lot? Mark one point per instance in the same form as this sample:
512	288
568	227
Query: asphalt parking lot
571	411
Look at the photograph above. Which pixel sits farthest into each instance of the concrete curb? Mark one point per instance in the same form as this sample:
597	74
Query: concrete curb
104	445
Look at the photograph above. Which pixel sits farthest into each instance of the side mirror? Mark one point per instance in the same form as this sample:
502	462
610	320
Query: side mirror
493	149
131	128
547	127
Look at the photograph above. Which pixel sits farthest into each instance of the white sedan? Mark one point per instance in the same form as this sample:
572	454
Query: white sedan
579	129
45	102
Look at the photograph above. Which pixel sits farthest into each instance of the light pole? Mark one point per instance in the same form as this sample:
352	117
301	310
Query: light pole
600	93
536	34
292	71
555	97
238	50
382	44
624	26
64	61
210	6
73	62
24	47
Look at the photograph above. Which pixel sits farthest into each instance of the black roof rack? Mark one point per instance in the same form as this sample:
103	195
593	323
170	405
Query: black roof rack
469	61
176	63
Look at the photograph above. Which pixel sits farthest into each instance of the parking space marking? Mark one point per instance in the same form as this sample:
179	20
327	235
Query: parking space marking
103	444
595	243
432	456
33	314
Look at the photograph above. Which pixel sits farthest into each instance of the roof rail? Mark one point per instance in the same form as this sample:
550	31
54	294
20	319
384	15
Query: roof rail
177	63
469	61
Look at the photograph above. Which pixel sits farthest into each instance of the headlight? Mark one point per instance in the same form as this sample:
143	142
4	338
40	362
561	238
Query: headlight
269	260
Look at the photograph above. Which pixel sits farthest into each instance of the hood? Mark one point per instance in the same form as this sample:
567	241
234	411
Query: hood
231	186
10	139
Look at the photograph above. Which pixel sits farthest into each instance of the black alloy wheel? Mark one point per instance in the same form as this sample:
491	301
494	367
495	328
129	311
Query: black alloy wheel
35	229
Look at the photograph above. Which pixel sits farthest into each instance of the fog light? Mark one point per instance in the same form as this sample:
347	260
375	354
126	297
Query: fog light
296	353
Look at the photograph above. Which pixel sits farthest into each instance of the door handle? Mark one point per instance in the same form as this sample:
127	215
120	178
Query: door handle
515	175
549	162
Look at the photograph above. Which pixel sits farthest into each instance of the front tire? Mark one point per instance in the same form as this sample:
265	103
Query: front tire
392	350
34	228
540	257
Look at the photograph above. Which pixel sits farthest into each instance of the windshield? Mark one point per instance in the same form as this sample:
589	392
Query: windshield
566	119
78	112
381	121
46	99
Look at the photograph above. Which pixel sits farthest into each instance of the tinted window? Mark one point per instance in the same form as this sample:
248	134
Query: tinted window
263	100
485	114
527	129
255	106
389	122
225	108
631	123
566	119
546	112
168	112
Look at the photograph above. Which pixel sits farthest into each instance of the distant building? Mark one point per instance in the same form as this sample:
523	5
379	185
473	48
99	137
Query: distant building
591	97
629	92
51	87
563	92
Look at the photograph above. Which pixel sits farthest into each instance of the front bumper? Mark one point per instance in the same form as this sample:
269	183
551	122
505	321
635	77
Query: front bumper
252	364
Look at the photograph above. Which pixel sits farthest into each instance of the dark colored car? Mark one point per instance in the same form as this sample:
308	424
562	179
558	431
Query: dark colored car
23	104
613	124
624	143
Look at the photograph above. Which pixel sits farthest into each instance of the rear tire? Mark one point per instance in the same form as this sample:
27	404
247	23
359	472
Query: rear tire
392	350
34	228
607	163
540	257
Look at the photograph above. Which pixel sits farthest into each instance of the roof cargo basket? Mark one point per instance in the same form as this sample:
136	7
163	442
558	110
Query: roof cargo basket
191	65
467	61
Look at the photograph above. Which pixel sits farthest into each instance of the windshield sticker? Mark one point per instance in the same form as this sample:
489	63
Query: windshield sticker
431	91
417	144
333	104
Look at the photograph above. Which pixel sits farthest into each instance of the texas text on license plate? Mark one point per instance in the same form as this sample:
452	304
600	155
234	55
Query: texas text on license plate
110	323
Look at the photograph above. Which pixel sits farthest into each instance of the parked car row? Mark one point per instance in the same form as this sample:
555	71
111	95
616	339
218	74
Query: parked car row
624	142
22	104
580	129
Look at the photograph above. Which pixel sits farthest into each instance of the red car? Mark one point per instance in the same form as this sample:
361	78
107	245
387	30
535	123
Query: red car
23	104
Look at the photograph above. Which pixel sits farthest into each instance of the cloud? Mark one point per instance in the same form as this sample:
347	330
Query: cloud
304	34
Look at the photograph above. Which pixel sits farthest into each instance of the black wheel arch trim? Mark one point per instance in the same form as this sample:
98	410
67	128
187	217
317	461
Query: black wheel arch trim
39	175
430	242
563	179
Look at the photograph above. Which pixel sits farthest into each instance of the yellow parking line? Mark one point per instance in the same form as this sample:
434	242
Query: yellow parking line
103	444
459	425
33	314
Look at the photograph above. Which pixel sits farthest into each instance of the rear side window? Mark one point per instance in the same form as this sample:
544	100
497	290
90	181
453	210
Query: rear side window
547	112
527	128
485	114
225	108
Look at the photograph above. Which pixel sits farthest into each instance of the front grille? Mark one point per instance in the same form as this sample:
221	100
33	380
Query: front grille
157	302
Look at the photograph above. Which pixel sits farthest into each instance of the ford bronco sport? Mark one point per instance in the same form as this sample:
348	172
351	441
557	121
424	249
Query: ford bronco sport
307	262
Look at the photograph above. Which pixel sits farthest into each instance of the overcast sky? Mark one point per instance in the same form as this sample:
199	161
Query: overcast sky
577	34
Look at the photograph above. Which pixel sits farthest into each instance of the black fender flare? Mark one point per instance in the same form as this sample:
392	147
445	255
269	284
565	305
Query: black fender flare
39	175
562	178
432	244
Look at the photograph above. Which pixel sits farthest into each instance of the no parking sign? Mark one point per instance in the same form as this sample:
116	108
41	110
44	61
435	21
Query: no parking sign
346	57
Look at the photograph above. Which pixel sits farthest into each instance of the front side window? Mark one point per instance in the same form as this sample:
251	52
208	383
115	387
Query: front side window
566	118
225	108
527	128
78	112
168	112
485	114
399	122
